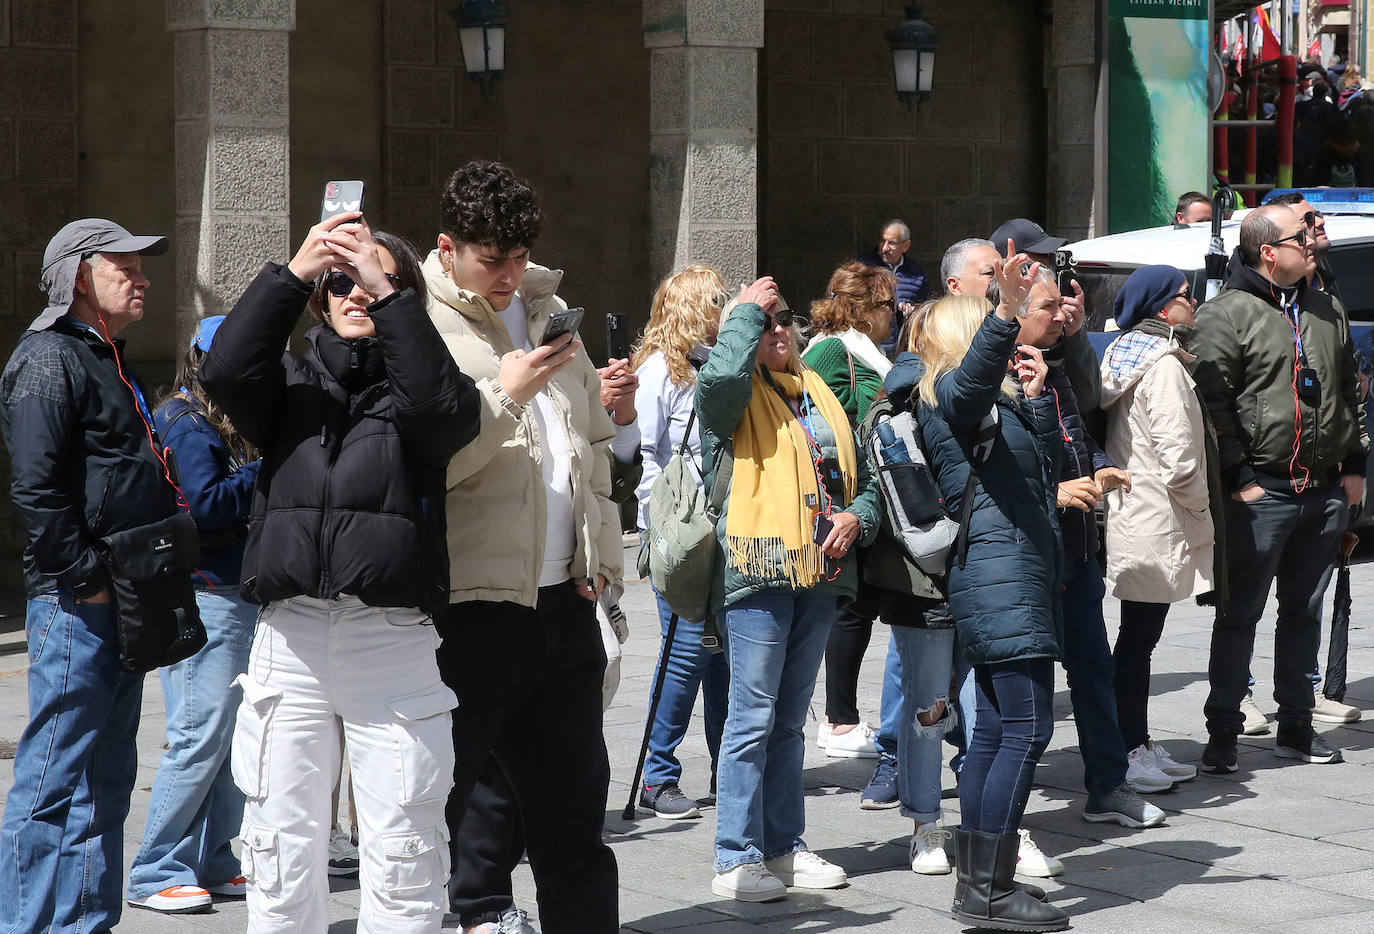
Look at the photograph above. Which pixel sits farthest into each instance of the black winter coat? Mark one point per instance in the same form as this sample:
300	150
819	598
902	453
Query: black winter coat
81	464
355	437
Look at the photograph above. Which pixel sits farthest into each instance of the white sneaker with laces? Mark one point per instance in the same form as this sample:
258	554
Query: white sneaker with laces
749	882
1160	758
1030	861
1143	775
806	870
928	855
343	853
858	743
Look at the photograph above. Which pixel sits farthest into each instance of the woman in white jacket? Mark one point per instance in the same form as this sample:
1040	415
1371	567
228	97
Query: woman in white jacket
682	327
1159	532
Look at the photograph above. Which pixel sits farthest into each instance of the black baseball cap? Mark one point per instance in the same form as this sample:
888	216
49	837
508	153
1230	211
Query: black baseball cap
1028	236
75	242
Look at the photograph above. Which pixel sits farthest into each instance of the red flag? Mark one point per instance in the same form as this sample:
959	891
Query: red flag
1238	50
1270	50
1314	51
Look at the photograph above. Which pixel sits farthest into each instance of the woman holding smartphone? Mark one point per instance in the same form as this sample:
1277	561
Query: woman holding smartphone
346	555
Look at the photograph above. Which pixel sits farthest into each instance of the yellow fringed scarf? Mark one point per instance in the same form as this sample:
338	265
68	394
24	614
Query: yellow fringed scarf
768	527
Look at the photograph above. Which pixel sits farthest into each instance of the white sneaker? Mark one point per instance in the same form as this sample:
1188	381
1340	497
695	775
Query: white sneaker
178	899
806	870
1333	711
1255	722
858	743
822	734
1160	758
928	850
1030	861
750	882
343	853
1143	775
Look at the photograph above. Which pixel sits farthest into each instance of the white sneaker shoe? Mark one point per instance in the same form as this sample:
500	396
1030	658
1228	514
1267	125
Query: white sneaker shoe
822	734
1256	724
806	870
858	743
750	882
1333	711
343	853
1030	861
1160	758
1143	775
178	899
928	855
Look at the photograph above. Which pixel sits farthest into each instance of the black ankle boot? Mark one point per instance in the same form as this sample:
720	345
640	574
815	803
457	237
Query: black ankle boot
961	846
985	897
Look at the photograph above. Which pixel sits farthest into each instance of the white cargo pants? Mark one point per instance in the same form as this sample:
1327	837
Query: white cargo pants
314	661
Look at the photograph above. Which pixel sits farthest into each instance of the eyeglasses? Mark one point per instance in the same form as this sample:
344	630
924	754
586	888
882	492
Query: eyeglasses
785	317
1311	218
1186	295
1300	238
340	284
886	303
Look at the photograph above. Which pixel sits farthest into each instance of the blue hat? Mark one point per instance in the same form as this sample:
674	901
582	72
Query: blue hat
205	332
1145	294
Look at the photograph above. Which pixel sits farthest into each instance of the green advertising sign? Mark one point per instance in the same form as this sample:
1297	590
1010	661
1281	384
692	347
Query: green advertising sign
1158	122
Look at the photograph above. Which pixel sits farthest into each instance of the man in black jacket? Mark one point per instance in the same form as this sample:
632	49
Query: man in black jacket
83	466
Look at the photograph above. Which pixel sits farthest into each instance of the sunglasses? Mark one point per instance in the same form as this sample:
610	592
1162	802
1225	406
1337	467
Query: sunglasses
1300	238
340	284
886	303
784	317
1311	217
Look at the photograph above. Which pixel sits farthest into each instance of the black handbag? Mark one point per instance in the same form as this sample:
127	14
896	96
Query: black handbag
150	569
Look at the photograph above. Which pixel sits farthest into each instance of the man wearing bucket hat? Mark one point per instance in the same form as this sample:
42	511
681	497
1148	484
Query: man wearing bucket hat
83	466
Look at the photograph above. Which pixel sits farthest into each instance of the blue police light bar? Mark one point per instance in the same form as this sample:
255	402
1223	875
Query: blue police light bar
1342	200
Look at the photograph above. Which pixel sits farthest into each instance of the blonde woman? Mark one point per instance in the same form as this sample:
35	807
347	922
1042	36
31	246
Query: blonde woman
1001	592
801	498
682	327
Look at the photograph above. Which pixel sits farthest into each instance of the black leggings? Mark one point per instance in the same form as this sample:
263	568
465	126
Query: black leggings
1141	626
844	653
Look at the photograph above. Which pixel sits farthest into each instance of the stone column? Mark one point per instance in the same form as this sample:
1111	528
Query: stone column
703	169
1074	196
232	136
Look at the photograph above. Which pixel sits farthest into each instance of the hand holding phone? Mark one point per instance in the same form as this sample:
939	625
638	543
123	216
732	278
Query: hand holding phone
562	322
617	336
341	198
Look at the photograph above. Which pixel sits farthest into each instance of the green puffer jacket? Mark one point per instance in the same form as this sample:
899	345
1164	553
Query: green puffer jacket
1246	351
724	388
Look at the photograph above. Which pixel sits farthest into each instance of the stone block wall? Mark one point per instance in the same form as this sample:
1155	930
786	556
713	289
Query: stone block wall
843	155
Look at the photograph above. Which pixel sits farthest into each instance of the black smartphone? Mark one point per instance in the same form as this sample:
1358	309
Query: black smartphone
562	322
617	335
1064	264
821	531
340	198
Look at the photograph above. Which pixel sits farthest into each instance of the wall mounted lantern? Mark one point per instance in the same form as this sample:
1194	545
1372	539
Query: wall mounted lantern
482	32
913	45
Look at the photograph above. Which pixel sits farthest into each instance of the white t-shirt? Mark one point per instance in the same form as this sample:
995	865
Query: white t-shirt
560	537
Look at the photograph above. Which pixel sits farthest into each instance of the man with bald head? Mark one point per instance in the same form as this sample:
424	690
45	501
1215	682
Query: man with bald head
1276	367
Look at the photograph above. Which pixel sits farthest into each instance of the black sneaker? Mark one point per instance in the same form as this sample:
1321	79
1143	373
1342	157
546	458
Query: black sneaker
881	792
1220	755
1303	742
668	802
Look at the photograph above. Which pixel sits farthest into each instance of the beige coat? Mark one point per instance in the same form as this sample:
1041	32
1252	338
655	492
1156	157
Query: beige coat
1159	535
495	503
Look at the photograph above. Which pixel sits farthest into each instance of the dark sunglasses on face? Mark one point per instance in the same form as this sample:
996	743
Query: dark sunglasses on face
1300	238
784	317
886	303
1311	218
339	284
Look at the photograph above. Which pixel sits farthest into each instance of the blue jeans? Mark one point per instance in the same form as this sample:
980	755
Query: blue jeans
196	808
890	710
926	658
1293	537
62	856
1015	722
1092	678
774	640
689	667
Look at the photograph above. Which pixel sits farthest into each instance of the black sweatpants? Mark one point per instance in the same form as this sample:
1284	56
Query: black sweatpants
529	690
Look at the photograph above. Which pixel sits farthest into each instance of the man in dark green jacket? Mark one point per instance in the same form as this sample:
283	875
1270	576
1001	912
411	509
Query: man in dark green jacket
1276	366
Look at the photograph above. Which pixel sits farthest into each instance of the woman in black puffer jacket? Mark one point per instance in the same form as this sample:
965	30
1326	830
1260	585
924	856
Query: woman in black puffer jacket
346	553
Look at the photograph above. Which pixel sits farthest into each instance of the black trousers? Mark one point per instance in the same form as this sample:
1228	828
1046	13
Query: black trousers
1142	624
529	689
844	653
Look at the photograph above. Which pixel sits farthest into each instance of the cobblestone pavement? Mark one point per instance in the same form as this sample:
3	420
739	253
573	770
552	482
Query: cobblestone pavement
1277	847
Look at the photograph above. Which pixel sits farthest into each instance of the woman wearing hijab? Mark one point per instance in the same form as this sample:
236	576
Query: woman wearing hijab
1160	532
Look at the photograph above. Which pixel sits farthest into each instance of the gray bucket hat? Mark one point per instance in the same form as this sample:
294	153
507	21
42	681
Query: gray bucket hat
75	242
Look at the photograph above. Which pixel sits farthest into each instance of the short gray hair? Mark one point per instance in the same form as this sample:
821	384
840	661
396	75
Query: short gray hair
955	260
896	222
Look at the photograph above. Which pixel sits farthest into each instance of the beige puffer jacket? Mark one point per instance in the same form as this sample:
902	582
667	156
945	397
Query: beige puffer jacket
1159	535
495	502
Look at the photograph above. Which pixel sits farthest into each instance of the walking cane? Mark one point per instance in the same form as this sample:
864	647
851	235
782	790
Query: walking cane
629	813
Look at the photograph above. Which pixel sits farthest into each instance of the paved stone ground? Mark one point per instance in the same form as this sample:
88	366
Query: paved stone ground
1277	847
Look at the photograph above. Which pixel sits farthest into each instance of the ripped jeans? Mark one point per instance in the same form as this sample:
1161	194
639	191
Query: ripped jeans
315	662
927	655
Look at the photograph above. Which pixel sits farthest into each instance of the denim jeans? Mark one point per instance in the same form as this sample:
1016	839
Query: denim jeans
1091	677
774	640
1292	537
890	709
62	855
926	657
196	808
1015	722
1141	626
689	667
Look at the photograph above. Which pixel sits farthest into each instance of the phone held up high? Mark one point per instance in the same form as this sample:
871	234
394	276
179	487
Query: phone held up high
341	198
562	322
617	335
1063	271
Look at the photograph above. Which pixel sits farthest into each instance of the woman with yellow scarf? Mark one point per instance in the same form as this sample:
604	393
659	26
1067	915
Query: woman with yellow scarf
801	497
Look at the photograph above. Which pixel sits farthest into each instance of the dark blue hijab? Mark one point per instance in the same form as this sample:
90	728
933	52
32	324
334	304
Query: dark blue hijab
1145	294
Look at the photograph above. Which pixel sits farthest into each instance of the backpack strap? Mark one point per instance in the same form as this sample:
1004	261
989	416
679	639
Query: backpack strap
683	448
725	467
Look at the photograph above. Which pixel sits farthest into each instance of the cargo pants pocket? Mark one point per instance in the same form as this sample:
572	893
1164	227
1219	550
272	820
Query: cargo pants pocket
424	744
252	748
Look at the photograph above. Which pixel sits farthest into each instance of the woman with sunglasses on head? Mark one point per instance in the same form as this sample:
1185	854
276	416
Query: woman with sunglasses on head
683	321
346	553
1160	531
800	499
